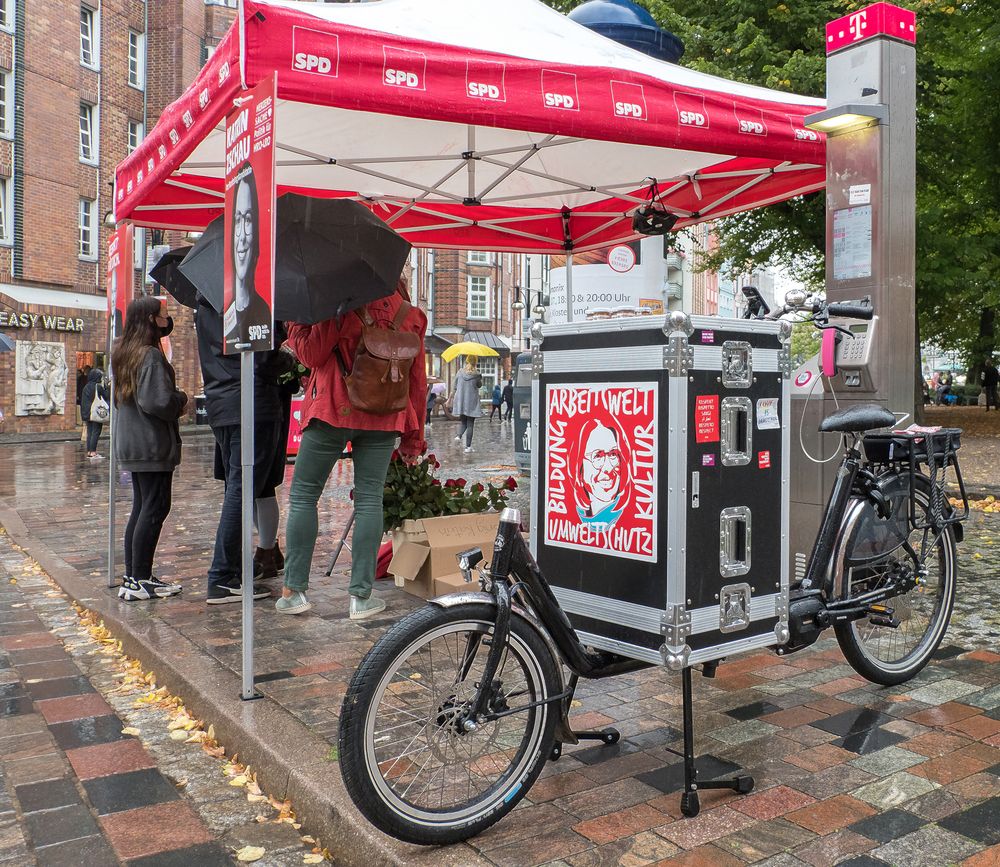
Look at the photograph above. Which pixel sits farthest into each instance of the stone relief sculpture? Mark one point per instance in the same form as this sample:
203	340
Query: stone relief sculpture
42	376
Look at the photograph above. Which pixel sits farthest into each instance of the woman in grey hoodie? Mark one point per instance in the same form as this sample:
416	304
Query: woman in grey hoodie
465	401
148	405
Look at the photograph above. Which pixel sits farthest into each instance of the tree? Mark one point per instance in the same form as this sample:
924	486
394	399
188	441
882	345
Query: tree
780	45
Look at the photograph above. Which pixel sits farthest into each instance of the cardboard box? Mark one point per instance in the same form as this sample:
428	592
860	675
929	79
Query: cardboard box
423	552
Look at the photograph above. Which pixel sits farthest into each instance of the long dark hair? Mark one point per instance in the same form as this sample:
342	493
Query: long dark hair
140	333
247	177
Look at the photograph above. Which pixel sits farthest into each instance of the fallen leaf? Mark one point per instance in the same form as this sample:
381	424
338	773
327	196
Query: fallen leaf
250	853
179	735
131	731
240	780
305	838
312	858
181	783
255	799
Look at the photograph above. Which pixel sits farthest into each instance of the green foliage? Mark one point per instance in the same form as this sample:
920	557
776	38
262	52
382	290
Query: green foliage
780	45
413	492
805	342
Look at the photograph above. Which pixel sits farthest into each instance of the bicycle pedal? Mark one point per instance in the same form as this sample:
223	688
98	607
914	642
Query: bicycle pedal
883	620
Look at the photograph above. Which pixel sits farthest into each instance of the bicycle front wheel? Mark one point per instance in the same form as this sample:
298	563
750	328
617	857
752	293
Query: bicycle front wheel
892	655
406	759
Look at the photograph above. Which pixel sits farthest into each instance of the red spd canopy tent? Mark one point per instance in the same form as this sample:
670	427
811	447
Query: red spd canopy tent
474	124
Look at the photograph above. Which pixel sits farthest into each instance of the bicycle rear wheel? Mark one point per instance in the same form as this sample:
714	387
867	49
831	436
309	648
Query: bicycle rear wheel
407	762
884	654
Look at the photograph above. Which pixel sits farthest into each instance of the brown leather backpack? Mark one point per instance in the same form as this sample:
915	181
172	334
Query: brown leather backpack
379	381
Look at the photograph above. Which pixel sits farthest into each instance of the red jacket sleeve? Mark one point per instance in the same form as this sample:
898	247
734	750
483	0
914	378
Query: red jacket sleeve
313	344
412	442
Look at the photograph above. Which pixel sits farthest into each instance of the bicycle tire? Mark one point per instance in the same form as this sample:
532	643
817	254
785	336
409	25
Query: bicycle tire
368	778
861	659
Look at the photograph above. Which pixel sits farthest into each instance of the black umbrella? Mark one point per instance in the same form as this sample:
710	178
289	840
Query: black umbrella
333	255
167	273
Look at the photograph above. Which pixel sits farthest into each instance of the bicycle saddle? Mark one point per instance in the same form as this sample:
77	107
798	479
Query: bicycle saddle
858	418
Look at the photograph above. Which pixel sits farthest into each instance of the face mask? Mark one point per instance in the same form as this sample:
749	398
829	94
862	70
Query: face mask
166	329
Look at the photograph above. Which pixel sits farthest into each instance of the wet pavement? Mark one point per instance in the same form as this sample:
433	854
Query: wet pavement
846	772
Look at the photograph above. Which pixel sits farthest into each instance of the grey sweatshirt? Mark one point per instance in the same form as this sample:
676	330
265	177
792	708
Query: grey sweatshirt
147	435
467	395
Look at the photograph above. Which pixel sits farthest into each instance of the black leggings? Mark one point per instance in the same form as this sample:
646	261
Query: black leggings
150	507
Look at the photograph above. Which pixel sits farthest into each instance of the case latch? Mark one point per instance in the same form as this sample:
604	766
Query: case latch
737	364
734	607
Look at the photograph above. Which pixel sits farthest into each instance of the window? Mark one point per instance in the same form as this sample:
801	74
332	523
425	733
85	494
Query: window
487	368
6	207
480	257
89	38
6	102
88	229
137	59
136	133
138	247
7	14
88	137
479	297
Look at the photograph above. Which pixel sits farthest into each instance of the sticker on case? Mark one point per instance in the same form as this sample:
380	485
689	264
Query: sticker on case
767	414
708	460
706	418
764	460
708	337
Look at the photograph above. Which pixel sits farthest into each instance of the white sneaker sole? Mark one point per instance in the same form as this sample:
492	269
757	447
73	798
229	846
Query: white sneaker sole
364	615
298	609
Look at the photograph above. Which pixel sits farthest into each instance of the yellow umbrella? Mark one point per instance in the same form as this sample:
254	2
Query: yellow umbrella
467	347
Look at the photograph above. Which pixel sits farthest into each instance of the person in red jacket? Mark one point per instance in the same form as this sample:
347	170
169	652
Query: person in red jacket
329	422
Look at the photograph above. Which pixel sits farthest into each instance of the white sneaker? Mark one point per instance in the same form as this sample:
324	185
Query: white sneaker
468	449
360	609
458	439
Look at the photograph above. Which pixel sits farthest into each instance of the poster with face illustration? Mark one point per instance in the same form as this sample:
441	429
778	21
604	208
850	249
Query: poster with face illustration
600	468
248	281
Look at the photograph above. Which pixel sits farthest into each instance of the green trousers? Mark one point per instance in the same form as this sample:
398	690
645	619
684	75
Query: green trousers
321	448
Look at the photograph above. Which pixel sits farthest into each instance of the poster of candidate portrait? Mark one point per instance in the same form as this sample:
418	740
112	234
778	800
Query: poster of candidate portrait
120	279
249	229
600	468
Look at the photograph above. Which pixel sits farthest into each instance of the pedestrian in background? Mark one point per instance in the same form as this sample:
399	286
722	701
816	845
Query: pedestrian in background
465	401
991	379
495	402
93	389
508	399
221	374
330	421
148	405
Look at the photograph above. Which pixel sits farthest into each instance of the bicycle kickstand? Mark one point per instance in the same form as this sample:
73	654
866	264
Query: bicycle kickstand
564	734
690	803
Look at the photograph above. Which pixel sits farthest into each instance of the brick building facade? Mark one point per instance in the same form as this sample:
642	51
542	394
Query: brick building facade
80	83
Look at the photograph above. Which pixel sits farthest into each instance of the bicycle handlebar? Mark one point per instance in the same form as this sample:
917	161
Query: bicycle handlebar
861	309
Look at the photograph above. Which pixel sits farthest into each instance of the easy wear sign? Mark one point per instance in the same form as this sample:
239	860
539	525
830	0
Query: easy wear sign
248	299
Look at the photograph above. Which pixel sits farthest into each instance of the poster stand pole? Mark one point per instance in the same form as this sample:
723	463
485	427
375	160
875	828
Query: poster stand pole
112	471
569	286
246	468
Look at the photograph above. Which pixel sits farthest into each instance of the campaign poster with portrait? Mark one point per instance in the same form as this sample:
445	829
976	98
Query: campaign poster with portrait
120	279
600	468
248	284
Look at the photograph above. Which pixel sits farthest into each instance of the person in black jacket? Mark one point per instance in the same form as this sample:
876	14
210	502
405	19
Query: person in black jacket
221	374
148	405
93	388
508	399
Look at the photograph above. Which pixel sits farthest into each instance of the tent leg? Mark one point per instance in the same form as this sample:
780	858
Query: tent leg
341	544
246	465
112	473
569	286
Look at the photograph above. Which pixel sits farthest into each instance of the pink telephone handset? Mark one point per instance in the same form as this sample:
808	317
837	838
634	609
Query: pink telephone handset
828	352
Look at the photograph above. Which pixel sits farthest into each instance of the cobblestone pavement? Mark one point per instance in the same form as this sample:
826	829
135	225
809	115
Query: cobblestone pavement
846	772
91	775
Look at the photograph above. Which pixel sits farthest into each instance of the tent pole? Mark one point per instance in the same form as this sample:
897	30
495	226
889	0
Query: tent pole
246	466
112	473
569	286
